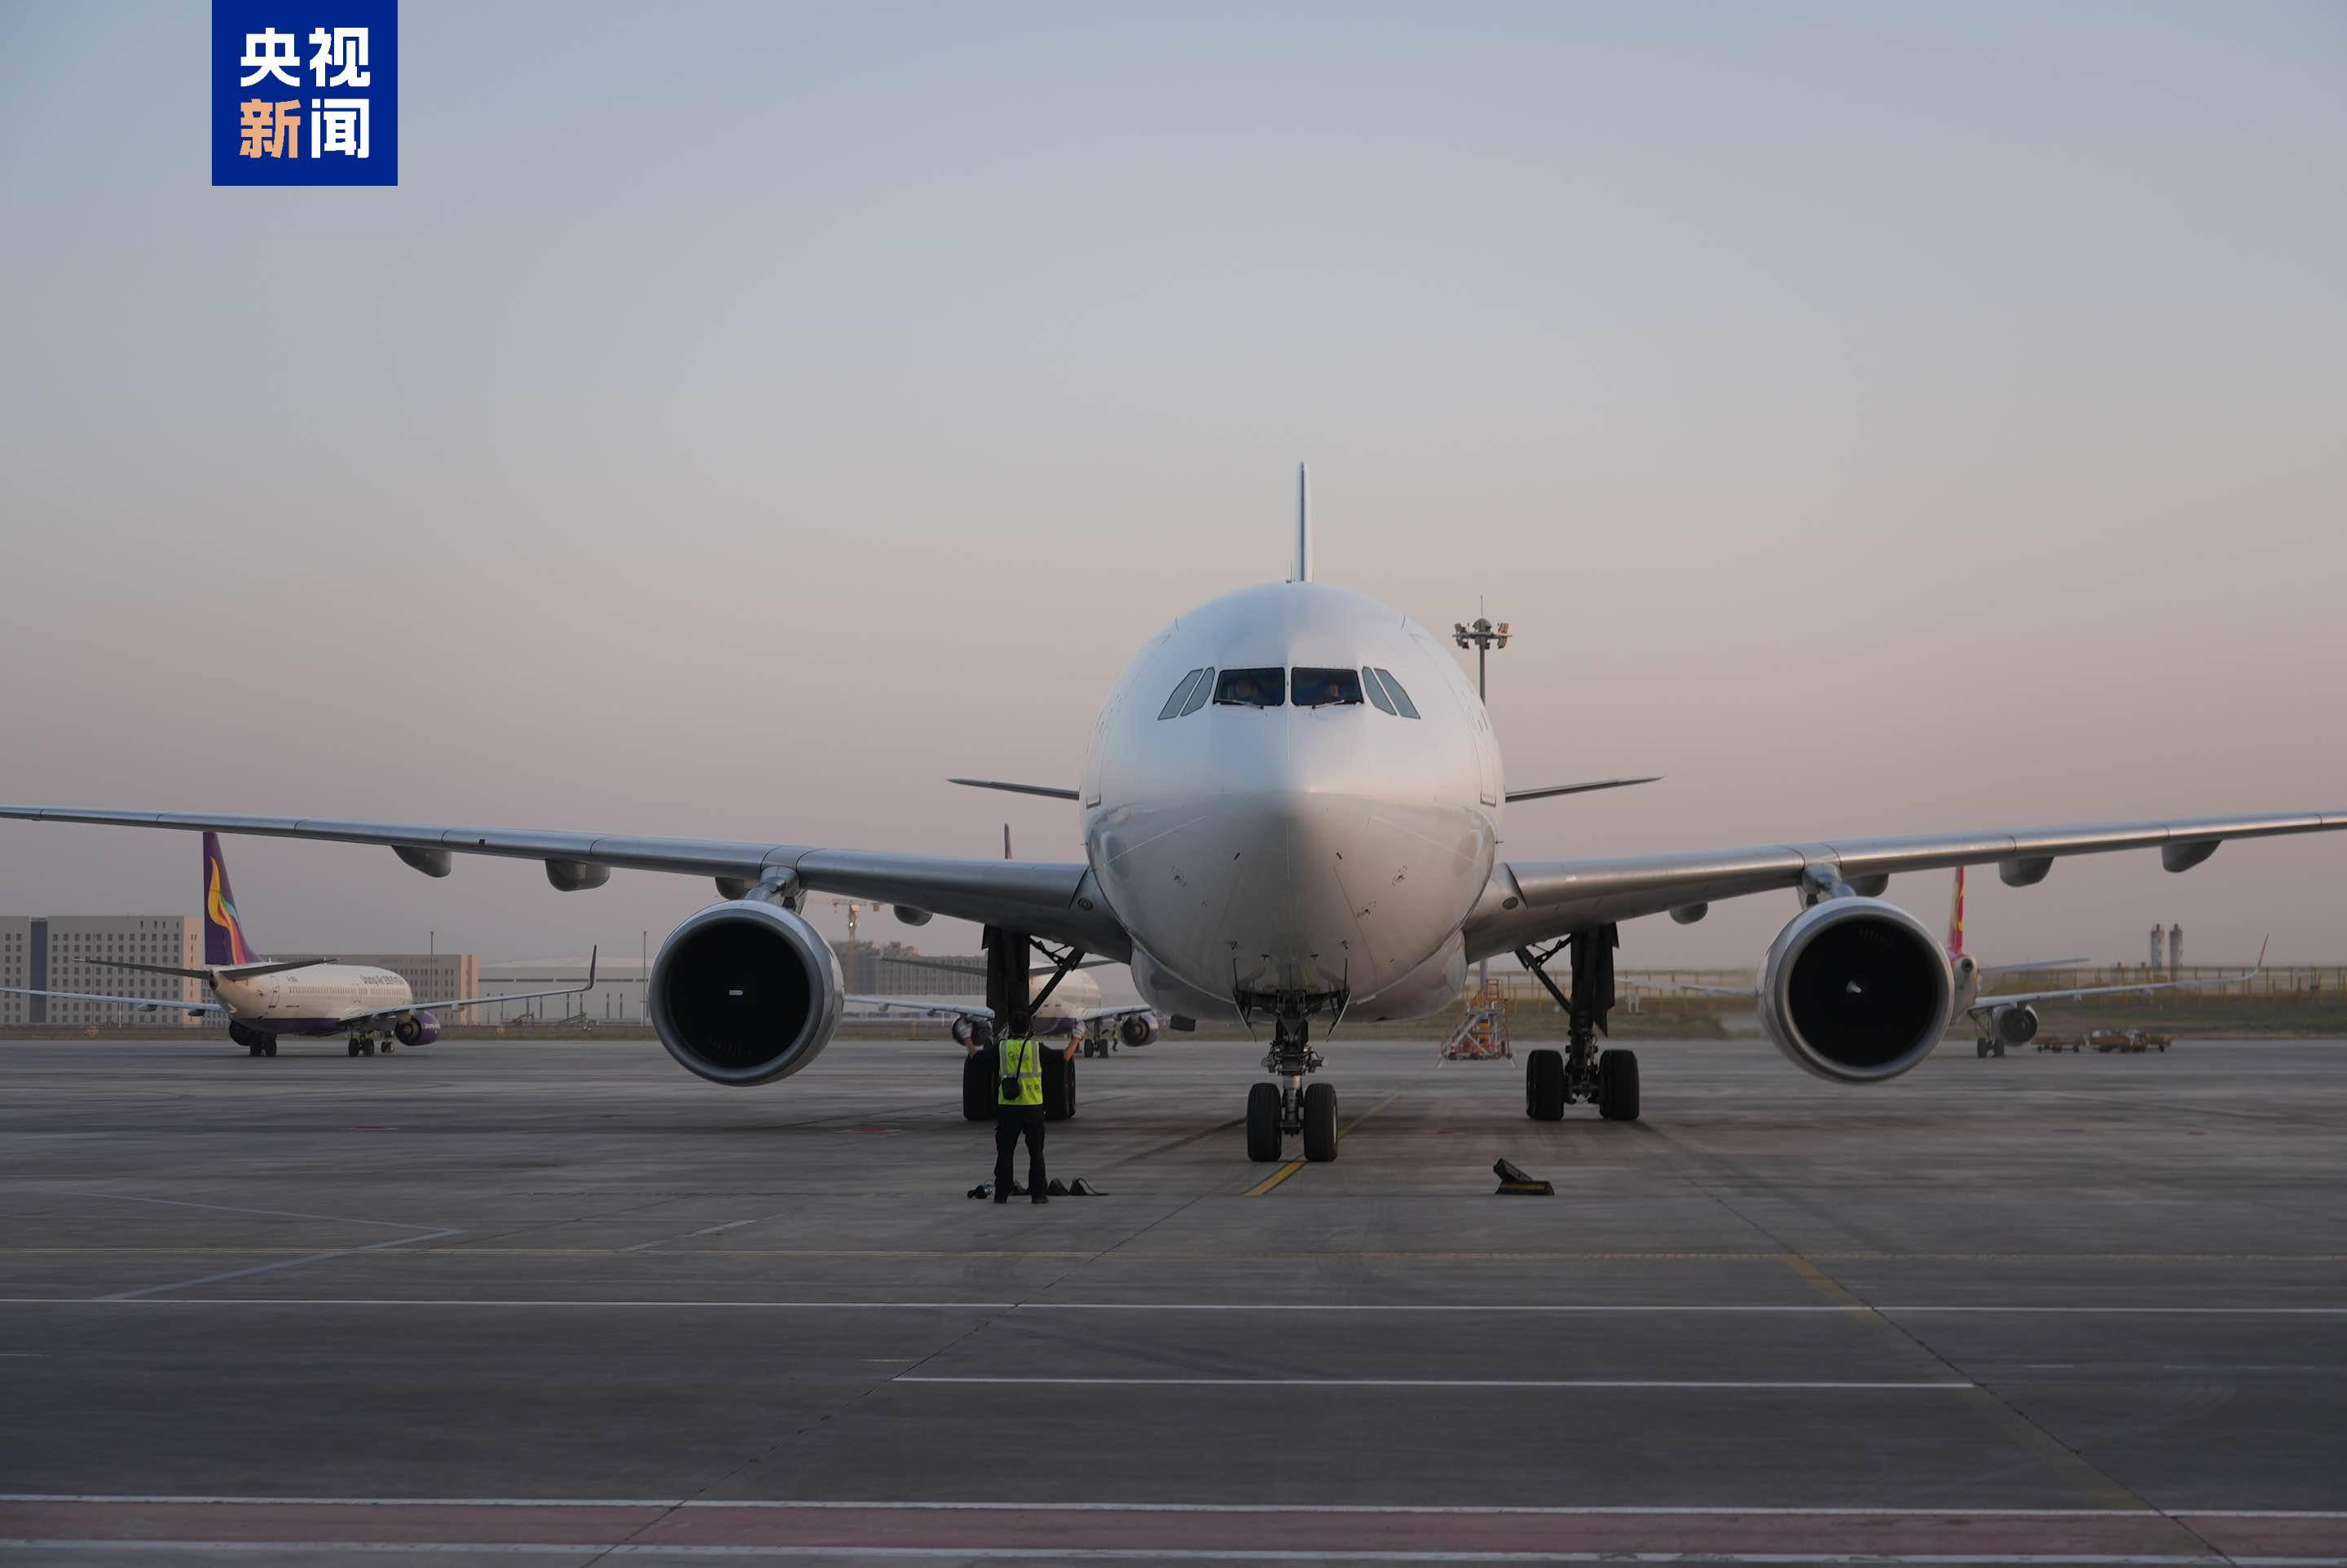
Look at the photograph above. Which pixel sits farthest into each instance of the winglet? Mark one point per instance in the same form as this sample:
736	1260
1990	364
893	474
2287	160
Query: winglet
592	954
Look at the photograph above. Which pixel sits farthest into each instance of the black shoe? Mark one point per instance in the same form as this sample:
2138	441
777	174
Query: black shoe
1002	1197
1039	1198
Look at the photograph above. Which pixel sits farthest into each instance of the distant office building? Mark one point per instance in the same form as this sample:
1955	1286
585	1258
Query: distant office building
62	953
431	975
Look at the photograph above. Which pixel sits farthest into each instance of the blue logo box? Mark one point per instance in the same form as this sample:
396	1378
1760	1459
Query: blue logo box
305	92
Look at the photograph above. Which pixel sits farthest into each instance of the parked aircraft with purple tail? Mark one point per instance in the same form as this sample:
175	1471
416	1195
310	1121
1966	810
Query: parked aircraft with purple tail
264	998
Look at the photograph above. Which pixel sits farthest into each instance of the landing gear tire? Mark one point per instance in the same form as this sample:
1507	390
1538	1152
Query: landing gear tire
1980	1049
252	1049
1320	1123
1545	1086
269	1048
1263	1123
1059	1087
351	1048
1617	1086
979	1090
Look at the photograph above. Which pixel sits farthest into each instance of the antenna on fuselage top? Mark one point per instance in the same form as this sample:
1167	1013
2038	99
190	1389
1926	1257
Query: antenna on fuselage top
1302	570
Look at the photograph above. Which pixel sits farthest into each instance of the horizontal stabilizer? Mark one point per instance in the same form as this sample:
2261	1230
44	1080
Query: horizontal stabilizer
1053	791
219	972
1546	790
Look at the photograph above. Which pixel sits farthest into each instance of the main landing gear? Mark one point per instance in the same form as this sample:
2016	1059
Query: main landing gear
1608	1079
1007	998
368	1044
1274	1111
256	1042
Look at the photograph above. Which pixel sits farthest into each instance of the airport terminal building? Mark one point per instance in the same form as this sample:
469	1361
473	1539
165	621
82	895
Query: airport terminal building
62	953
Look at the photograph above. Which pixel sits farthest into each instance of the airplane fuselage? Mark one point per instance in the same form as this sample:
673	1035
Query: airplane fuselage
313	999
1254	850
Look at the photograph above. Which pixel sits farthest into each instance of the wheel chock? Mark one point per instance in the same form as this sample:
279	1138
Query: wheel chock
1081	1188
1514	1181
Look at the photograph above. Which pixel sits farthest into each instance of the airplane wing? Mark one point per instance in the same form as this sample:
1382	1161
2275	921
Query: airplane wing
476	1001
1530	901
1061	902
145	1004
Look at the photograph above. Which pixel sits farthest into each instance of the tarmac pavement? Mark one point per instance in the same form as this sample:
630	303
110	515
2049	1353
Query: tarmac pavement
560	1300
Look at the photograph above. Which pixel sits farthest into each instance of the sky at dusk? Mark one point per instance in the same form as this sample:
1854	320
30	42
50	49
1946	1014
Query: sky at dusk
740	417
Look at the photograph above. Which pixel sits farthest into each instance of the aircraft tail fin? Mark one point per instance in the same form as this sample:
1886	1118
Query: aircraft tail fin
1301	570
224	943
1956	917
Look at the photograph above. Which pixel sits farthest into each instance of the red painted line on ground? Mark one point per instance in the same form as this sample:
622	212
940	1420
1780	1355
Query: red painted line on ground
2117	1534
1043	1533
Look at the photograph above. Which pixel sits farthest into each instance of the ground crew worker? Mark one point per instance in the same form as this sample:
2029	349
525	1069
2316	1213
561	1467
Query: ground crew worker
1018	1109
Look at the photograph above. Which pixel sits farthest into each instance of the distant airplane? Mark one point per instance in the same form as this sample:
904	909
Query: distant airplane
1291	811
1070	1008
2003	1018
264	998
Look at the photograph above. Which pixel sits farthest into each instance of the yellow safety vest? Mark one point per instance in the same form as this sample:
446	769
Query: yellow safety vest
1022	1060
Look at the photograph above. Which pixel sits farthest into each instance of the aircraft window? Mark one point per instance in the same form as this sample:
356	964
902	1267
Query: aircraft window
1173	703
1375	689
1200	692
1252	688
1325	688
1401	698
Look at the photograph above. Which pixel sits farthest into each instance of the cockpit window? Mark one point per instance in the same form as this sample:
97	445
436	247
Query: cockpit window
1173	703
1401	698
1252	688
1314	688
1375	689
1200	692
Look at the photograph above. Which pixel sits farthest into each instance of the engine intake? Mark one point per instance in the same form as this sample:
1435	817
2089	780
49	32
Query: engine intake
2017	1025
1138	1029
744	992
1855	989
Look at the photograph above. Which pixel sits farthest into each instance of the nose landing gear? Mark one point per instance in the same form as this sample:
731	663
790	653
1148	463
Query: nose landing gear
1276	1111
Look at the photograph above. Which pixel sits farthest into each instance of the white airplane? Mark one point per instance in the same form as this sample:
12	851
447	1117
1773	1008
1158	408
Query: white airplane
2000	1018
263	998
1292	810
2009	1017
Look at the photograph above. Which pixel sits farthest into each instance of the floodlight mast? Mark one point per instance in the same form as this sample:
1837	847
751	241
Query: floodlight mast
1483	635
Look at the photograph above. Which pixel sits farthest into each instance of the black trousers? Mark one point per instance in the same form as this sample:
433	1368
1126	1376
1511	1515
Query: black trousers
1009	1123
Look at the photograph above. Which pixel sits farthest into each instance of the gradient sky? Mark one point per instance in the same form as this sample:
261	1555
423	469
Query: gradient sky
1875	419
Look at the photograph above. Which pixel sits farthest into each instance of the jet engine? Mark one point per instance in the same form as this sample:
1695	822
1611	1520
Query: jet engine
1855	989
1138	1029
744	992
2014	1025
969	1032
416	1028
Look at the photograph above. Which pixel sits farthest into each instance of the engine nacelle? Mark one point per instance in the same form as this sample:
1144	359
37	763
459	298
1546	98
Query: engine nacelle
744	992
1138	1029
2014	1025
969	1032
1855	989
416	1028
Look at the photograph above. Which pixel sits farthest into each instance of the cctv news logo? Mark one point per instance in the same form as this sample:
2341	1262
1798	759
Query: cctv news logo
305	92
